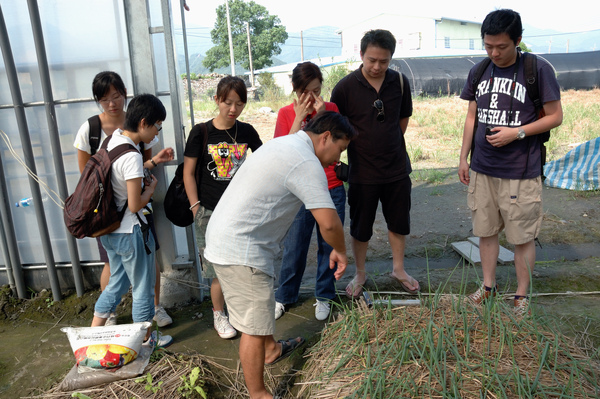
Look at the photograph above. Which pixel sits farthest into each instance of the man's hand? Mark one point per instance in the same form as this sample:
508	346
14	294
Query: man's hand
502	136
463	172
342	262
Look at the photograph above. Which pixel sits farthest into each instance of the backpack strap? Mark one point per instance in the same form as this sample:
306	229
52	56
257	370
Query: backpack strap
119	150
531	80
95	133
481	67
198	174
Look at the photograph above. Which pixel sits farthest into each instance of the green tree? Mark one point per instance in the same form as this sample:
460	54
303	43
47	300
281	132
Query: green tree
266	36
524	47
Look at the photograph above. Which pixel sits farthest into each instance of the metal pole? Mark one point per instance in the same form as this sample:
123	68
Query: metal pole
230	39
40	50
14	269
187	63
13	82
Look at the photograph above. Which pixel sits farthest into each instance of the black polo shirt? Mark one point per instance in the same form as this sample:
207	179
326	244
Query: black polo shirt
378	154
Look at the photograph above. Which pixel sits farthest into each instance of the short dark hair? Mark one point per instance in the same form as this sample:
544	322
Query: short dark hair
102	82
339	125
503	21
378	38
146	107
234	83
304	73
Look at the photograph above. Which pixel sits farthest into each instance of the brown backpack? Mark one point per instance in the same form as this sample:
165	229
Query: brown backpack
91	210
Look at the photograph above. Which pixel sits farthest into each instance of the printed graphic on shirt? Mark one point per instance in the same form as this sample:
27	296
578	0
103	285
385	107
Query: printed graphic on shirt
226	159
500	111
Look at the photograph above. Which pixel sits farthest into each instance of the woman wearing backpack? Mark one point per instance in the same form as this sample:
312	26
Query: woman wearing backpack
130	247
218	147
110	93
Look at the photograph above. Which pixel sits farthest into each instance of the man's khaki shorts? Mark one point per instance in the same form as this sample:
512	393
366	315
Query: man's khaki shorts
250	298
510	204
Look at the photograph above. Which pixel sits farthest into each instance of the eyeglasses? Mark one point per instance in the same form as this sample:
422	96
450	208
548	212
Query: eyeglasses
114	99
378	105
158	127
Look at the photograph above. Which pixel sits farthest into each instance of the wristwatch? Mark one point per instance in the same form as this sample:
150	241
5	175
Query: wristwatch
521	134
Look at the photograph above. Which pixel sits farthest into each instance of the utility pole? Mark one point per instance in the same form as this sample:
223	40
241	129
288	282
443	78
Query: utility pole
301	47
230	39
250	55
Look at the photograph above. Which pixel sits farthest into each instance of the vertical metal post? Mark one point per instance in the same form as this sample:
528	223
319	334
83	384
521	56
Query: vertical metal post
187	62
9	241
40	50
13	81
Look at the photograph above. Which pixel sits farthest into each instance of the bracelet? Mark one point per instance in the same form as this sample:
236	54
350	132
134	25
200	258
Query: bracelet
192	207
153	163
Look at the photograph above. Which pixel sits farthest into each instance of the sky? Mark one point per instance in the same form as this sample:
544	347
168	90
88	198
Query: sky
570	16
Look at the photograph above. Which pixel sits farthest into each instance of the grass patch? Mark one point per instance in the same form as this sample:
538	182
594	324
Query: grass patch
436	127
446	348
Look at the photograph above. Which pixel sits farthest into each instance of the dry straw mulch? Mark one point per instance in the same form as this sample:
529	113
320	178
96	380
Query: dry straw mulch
219	381
446	348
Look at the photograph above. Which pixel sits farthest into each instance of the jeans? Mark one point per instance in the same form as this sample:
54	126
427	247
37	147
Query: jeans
130	265
295	250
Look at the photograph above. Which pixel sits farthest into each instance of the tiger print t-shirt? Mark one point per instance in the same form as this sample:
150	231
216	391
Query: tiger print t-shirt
224	154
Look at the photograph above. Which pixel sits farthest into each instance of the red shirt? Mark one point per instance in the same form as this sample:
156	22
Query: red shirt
285	120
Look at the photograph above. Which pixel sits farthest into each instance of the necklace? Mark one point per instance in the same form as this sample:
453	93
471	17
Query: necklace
234	139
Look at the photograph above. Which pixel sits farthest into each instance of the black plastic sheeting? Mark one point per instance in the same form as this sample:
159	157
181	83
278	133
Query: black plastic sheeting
447	76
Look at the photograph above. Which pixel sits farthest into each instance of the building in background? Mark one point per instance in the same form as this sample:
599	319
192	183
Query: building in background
417	36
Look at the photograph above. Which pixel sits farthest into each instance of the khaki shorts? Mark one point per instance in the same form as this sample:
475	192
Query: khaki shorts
200	222
250	298
511	204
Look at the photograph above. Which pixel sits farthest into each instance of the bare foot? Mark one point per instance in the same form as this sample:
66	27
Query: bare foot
355	287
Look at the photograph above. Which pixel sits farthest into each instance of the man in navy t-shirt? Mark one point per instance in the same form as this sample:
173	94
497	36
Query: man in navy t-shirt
505	185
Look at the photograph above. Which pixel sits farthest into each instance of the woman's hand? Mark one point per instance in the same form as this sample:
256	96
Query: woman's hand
304	106
318	103
164	155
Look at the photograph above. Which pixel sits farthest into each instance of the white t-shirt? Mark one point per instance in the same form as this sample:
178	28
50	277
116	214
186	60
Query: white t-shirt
259	205
128	166
82	139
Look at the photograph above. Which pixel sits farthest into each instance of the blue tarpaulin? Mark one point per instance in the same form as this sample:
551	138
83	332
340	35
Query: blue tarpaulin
577	170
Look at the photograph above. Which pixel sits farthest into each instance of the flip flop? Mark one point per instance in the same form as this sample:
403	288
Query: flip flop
353	290
287	347
403	283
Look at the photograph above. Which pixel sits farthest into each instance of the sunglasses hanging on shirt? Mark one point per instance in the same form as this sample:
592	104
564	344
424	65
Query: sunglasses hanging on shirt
378	105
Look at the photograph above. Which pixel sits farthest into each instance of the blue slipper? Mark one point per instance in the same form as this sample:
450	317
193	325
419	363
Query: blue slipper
287	347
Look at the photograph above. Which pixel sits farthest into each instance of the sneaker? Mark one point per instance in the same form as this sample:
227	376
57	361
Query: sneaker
522	306
161	317
158	340
279	310
112	320
222	325
322	309
482	295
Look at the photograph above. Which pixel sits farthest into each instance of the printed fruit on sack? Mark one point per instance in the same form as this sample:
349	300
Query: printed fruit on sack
111	360
96	352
